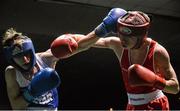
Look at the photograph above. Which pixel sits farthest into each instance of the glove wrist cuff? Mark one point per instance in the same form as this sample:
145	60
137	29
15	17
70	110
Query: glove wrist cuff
100	30
27	96
160	83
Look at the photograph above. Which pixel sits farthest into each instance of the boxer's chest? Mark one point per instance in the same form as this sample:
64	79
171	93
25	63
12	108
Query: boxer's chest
138	57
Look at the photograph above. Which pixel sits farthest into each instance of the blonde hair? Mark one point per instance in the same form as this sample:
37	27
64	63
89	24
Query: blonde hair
10	36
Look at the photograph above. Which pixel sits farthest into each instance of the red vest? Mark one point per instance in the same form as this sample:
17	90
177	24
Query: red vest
148	63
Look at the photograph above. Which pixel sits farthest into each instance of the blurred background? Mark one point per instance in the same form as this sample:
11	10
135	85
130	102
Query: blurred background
91	79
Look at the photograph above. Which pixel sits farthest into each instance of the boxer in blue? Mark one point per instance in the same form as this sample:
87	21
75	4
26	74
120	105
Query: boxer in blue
31	77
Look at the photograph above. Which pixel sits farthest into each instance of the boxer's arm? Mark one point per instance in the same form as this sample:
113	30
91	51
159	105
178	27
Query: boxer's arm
163	66
87	41
91	40
84	42
13	90
69	44
108	42
48	58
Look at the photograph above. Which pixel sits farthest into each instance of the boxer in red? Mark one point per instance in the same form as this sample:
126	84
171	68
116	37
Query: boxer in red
145	64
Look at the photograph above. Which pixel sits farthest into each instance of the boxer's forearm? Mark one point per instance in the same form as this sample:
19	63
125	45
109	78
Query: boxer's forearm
87	41
171	86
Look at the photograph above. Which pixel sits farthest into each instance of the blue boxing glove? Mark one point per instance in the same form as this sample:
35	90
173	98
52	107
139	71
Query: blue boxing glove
109	23
45	80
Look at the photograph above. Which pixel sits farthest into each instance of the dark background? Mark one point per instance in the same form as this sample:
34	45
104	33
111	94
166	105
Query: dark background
91	79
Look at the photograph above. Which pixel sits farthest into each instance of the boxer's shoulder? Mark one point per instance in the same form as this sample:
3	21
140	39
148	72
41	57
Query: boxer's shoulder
10	69
161	52
10	73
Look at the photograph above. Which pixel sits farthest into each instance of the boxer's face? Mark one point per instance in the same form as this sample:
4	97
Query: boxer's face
128	41
22	59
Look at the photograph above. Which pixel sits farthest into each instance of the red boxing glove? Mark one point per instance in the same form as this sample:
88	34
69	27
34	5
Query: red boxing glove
63	46
141	76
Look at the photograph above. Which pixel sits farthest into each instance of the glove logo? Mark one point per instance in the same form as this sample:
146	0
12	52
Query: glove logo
44	99
125	30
